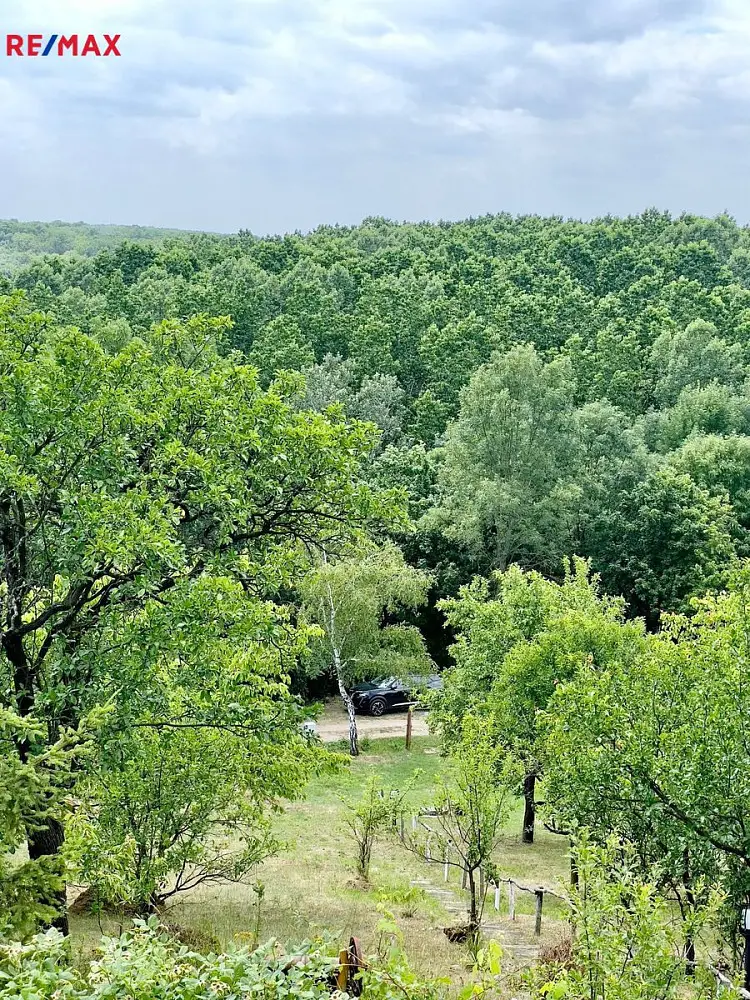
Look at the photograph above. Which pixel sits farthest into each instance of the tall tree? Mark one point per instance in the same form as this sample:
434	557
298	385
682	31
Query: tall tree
653	747
508	476
126	477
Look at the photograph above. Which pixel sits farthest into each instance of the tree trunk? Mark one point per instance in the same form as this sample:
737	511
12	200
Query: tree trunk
473	912
349	705
690	965
529	808
47	841
44	843
574	875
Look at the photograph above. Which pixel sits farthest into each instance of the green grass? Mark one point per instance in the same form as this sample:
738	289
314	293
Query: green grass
312	885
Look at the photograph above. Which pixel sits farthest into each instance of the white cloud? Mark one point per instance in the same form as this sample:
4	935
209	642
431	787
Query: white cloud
351	104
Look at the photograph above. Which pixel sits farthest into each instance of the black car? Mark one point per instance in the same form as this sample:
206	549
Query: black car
391	694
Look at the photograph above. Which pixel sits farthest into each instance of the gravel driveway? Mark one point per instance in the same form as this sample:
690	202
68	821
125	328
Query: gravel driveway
333	724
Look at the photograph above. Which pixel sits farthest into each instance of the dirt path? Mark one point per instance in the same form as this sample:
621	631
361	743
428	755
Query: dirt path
516	937
333	725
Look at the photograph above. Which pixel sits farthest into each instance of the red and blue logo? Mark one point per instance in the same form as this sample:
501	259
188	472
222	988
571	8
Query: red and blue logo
62	45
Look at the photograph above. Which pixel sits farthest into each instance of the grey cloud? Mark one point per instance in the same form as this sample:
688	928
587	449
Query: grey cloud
286	114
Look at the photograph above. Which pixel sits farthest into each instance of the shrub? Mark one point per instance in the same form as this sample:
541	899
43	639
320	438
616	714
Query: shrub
148	964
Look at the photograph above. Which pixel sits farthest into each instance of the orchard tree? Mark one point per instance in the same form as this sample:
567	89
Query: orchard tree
348	599
471	805
515	647
126	479
654	747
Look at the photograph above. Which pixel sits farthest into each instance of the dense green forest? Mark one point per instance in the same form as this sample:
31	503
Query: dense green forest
20	242
239	472
543	387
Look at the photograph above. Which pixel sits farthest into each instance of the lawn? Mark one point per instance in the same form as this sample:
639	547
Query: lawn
312	885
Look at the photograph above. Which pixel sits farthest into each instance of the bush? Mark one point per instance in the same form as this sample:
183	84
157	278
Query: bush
147	964
625	944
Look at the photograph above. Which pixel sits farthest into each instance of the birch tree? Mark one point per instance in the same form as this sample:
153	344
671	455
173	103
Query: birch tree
351	599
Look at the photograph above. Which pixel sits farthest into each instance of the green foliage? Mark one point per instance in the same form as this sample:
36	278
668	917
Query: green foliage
518	637
471	803
34	788
407	898
153	504
625	944
145	964
21	242
376	812
348	599
280	346
653	746
539	388
551	361
507	478
668	540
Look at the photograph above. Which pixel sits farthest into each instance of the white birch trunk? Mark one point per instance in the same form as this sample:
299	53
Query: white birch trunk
348	704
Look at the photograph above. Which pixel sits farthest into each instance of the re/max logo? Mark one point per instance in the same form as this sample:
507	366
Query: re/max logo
62	45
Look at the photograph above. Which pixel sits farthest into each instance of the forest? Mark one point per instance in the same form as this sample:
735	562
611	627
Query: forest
240	474
20	242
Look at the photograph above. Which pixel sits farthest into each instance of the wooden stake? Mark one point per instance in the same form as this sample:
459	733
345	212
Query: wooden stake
538	917
342	977
408	728
512	900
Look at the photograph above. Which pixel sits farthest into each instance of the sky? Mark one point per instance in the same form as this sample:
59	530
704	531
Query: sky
281	115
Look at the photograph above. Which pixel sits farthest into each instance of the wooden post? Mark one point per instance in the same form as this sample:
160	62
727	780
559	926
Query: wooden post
414	824
497	896
512	900
408	728
342	977
464	878
401	825
538	917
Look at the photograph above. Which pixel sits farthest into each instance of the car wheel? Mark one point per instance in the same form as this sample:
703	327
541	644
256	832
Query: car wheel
377	707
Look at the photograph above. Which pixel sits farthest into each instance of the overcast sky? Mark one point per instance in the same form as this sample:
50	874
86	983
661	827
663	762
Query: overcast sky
276	115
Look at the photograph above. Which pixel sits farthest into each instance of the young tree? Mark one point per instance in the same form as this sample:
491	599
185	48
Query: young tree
124	480
472	802
348	599
625	944
376	812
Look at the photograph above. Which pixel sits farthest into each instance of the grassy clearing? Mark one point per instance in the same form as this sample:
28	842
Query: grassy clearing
312	885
